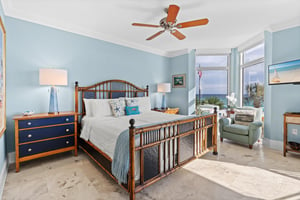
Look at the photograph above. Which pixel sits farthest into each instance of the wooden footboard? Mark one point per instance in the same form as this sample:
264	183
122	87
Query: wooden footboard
196	136
163	148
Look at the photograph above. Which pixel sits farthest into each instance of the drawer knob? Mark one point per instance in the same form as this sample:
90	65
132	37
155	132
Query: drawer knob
67	130
29	150
67	119
28	123
67	142
29	136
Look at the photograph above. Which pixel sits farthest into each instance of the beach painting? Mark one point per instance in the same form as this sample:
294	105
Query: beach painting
2	79
286	72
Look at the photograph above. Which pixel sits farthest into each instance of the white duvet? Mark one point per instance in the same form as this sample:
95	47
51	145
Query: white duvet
104	131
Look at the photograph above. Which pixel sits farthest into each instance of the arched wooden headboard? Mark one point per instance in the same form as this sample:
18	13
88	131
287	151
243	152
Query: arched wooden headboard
109	89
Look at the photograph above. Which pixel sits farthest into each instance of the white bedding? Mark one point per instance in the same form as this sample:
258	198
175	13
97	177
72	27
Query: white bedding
104	131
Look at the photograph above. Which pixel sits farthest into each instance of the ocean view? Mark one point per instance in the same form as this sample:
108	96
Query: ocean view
222	97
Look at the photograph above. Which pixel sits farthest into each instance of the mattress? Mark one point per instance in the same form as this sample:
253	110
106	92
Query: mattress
104	131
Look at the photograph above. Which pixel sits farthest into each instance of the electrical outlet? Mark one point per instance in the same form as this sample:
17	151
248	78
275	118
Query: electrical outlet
295	131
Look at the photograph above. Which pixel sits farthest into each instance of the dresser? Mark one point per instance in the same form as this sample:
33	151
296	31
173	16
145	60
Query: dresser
44	134
167	110
289	118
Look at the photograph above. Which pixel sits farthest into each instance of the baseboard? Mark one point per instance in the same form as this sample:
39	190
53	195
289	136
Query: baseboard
3	176
11	158
273	144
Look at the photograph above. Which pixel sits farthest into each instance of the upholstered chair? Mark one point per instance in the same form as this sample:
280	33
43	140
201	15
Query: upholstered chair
244	127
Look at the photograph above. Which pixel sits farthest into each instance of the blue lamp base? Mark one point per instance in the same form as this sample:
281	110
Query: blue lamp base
163	103
53	106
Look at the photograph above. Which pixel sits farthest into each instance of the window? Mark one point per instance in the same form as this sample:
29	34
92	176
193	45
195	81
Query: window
252	68
211	79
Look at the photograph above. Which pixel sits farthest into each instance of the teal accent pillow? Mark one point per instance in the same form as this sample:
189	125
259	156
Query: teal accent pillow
132	110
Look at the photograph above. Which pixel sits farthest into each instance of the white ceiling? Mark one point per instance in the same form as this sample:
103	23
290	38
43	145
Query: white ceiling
231	22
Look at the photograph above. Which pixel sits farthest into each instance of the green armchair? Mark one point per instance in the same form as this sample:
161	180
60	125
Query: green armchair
247	132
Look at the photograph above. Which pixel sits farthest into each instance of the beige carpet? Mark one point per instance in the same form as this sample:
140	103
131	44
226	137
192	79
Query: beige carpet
236	173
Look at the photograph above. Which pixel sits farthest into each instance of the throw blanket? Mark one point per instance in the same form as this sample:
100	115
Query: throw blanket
120	163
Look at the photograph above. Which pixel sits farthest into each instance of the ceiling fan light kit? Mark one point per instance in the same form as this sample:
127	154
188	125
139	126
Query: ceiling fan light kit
169	24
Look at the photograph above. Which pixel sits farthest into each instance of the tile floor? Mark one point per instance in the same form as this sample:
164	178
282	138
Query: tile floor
236	173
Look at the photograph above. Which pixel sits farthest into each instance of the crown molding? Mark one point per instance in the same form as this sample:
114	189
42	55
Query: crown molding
285	25
253	41
59	25
212	51
176	53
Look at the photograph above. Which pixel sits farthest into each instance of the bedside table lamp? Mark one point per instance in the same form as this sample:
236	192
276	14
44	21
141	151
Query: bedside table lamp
53	77
164	88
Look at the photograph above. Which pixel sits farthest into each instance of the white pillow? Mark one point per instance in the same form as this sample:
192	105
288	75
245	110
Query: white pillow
88	107
98	107
143	103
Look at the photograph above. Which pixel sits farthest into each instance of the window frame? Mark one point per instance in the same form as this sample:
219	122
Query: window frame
243	66
214	68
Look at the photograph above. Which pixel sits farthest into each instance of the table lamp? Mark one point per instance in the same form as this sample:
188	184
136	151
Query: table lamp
53	77
164	88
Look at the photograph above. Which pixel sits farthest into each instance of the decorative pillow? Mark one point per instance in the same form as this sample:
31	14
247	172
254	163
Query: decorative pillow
131	102
132	110
116	107
123	103
243	119
97	107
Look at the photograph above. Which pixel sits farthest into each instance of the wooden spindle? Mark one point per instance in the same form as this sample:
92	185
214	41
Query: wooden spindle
131	182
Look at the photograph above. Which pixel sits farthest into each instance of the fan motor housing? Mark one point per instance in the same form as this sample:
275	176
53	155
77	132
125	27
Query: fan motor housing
164	24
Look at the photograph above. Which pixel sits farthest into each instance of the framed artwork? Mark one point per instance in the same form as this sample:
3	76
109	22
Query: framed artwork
178	81
2	78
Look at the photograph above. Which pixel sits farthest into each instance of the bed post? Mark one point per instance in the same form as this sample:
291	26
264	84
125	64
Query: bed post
131	182
215	138
76	97
147	92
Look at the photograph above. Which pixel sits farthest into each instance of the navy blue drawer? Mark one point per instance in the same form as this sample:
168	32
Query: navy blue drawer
49	145
43	133
45	121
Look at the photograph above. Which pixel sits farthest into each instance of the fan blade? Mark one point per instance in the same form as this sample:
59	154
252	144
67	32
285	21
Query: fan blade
147	25
172	13
155	35
192	23
177	34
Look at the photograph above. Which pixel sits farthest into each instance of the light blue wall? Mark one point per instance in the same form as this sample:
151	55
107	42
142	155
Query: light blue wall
284	98
184	98
32	46
268	89
179	96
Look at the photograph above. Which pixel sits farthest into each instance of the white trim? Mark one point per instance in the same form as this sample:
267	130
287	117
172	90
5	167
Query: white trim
83	32
213	51
3	176
255	40
285	25
253	62
171	54
273	144
11	158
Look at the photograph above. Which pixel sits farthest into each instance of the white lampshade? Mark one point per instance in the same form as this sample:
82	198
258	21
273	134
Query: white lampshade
53	77
164	87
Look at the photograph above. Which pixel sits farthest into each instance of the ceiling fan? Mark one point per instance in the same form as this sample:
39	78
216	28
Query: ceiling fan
169	24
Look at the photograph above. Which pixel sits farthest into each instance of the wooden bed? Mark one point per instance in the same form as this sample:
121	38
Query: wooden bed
193	137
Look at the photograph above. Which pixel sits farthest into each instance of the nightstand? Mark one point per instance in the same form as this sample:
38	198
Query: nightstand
44	134
168	110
